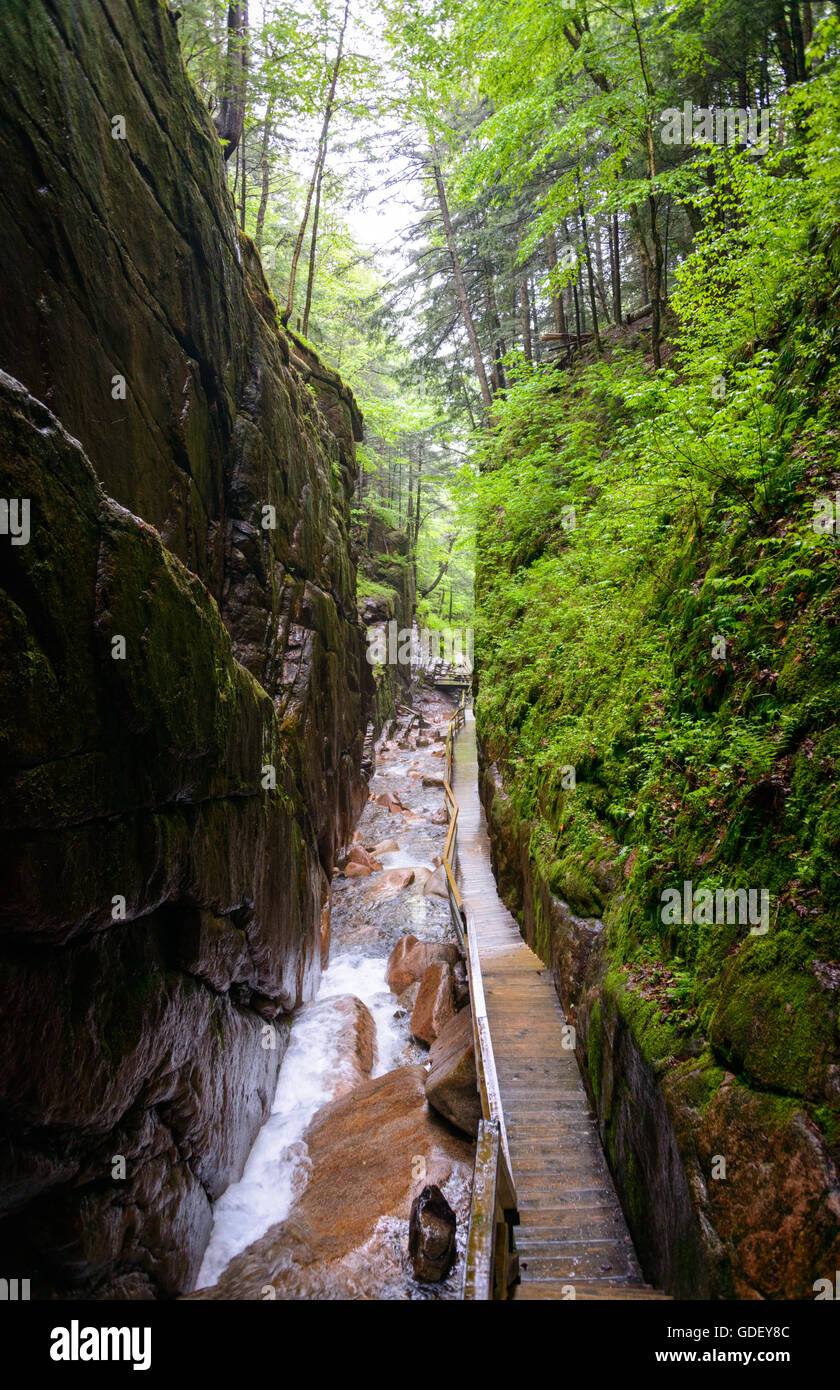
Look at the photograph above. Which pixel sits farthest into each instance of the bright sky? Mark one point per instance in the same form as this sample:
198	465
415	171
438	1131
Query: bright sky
391	202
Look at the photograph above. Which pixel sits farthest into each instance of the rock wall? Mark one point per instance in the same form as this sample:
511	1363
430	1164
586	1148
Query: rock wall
766	1222
184	693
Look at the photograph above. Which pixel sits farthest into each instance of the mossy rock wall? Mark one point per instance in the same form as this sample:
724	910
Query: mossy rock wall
729	1185
164	902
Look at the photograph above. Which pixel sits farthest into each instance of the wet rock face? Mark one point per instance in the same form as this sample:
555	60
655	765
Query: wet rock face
431	1236
124	261
172	804
410	959
148	933
435	1003
451	1084
728	1191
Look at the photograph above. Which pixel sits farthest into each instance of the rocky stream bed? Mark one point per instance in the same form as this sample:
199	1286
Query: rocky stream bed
322	1208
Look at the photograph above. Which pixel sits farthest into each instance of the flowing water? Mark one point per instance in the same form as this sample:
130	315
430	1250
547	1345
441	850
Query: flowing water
364	929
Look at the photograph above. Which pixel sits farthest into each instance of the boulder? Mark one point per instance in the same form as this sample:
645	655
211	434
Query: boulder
346	1025
390	801
408	998
431	1236
440	816
356	871
364	1151
451	1084
384	847
435	1003
435	885
359	855
411	957
392	882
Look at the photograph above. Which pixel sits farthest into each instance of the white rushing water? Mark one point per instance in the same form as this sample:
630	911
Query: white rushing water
277	1166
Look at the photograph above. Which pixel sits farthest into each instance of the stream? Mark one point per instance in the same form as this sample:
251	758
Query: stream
365	927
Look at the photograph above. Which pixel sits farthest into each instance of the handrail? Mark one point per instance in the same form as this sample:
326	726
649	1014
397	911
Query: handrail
492	1264
456	907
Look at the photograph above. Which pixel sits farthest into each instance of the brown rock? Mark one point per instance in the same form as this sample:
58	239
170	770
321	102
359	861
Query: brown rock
364	1152
390	801
778	1210
408	998
356	871
435	1003
451	1085
384	847
435	885
431	1236
410	958
359	855
392	882
440	817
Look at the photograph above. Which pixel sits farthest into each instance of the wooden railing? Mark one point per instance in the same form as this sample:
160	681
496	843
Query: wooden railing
450	848
492	1264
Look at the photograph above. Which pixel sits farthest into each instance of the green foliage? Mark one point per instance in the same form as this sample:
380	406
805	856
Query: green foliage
626	519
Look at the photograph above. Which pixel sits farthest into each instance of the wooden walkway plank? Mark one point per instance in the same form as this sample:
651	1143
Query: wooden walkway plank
573	1240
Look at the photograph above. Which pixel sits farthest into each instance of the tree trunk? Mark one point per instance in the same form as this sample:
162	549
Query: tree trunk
460	285
525	306
784	43
265	168
798	40
557	310
322	143
535	324
599	278
417	507
310	278
230	120
616	269
591	278
498	346
654	262
243	193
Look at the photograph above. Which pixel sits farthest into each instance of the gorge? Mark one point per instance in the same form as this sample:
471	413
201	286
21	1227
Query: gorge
241	1051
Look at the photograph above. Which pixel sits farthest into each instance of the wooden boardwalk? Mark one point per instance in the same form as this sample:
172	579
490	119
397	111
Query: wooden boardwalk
572	1230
